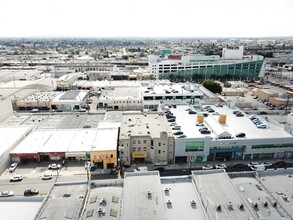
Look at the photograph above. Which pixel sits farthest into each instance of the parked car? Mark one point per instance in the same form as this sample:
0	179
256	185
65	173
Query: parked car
54	166
263	113
176	128
239	114
47	176
235	112
6	193
93	167
240	135
207	167
199	124
171	120
221	166
205	132
203	129
192	112
13	167
279	164
252	164
266	164
261	126
182	136
31	192
16	178
259	167
240	165
178	133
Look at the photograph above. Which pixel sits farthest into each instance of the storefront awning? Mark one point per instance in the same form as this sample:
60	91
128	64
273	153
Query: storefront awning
75	154
139	154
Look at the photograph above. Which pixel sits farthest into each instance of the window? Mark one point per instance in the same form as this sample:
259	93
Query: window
101	156
95	156
271	146
144	148
133	142
112	154
138	141
194	146
159	151
144	141
139	148
159	144
134	149
106	156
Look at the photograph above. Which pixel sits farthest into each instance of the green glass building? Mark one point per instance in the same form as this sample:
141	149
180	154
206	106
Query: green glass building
245	70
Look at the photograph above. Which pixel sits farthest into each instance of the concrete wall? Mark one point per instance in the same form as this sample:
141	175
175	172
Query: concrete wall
6	109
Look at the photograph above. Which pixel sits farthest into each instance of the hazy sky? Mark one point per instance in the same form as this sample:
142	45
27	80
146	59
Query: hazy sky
146	18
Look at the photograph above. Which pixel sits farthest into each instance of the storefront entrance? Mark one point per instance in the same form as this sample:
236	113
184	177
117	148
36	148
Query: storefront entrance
226	153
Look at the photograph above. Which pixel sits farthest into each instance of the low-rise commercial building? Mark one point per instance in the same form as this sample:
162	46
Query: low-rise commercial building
221	142
70	100
97	145
65	82
146	138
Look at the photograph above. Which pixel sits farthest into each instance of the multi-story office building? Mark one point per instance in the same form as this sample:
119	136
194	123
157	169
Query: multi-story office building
231	65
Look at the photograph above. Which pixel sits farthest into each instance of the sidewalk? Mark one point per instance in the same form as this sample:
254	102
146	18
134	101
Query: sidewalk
198	165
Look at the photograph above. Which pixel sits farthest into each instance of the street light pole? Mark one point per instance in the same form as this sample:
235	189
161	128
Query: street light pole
120	159
190	160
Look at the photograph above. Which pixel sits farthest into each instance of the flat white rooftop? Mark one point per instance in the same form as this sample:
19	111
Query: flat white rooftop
144	124
215	188
112	204
137	203
105	139
9	136
280	184
180	191
11	208
67	140
233	124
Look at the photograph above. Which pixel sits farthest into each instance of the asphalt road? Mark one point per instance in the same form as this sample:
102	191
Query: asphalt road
44	186
34	181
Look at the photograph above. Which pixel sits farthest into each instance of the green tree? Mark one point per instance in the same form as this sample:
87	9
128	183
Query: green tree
212	86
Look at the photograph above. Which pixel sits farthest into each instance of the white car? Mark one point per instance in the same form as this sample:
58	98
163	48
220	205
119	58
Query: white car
252	164
54	166
207	167
16	178
266	164
47	176
221	166
13	167
262	126
6	193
